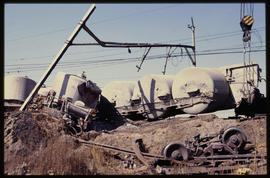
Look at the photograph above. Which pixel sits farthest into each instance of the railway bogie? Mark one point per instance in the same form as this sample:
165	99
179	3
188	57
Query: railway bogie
193	90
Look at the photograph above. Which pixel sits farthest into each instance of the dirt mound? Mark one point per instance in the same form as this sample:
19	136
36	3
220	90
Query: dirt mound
25	135
38	143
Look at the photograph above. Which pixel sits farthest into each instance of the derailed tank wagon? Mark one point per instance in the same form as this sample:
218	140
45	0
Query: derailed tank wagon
76	89
76	98
195	90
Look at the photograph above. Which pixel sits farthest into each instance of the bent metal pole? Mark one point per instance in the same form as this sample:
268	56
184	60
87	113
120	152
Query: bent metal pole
58	57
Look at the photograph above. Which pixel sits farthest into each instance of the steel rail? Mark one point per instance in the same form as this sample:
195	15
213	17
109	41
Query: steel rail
136	146
195	158
112	148
183	167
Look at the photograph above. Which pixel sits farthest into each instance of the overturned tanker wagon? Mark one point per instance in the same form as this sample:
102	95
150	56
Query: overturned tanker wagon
193	90
78	100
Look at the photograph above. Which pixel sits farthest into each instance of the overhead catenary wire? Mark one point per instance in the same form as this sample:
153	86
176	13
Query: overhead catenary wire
212	37
67	54
89	59
121	60
126	59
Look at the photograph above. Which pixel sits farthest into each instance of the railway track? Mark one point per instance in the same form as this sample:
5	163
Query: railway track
158	164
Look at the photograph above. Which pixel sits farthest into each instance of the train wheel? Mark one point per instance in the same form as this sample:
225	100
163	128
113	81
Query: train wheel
175	150
234	137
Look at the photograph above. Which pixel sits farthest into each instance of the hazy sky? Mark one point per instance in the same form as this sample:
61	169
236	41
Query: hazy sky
34	33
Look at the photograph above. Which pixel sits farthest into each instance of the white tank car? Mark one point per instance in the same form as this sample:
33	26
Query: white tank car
17	88
68	85
194	81
151	89
119	92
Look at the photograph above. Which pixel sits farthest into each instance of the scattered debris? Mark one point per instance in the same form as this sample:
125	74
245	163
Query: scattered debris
42	137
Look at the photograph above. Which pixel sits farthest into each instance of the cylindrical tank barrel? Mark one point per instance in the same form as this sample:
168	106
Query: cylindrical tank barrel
77	88
67	84
119	92
152	89
195	82
17	87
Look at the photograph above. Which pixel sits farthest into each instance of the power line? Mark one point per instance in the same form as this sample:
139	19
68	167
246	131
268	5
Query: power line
218	36
79	61
74	61
121	60
67	54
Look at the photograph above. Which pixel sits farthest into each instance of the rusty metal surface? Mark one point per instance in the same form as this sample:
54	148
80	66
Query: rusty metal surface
196	165
137	146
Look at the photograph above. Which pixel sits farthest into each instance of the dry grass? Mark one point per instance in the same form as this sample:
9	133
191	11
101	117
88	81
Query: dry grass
60	159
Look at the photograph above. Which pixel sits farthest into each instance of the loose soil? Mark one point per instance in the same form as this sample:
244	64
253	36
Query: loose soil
38	142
